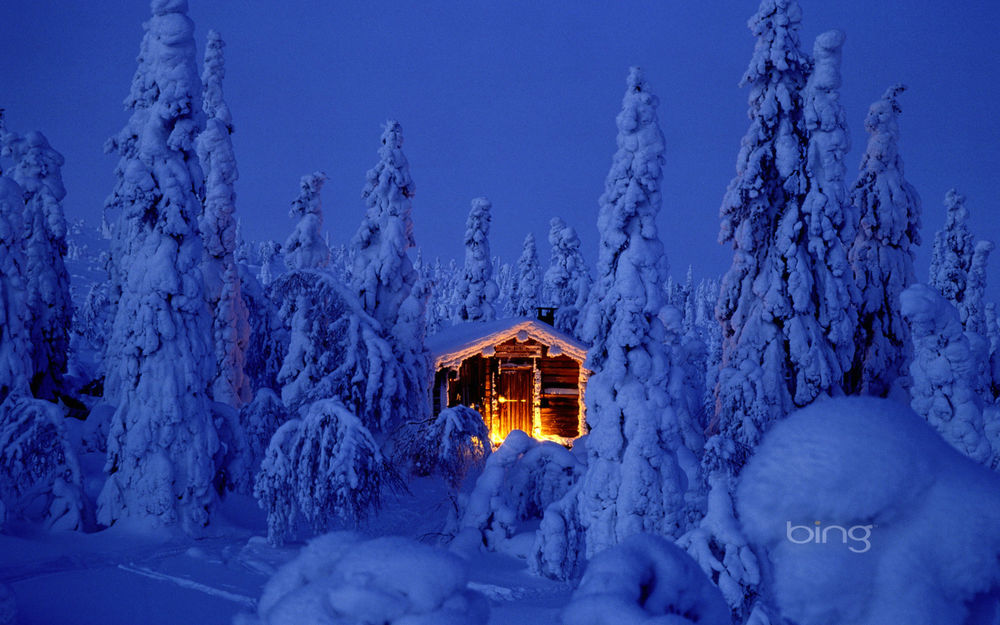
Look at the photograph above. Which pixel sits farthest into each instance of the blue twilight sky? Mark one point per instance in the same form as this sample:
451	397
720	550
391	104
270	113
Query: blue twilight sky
515	100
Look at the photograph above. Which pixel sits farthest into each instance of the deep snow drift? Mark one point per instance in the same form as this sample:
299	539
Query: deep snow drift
869	516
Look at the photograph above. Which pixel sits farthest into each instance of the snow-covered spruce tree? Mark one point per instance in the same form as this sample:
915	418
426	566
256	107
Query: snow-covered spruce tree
337	350
830	219
946	371
882	253
306	248
50	308
230	325
707	329
952	255
268	341
633	483
382	272
268	252
441	283
776	354
162	438
529	279
506	280
780	299
325	466
388	287
567	281
476	291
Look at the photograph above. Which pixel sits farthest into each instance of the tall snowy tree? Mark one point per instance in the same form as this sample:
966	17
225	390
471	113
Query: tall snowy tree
974	304
882	253
306	248
830	219
529	279
50	308
779	299
388	286
382	273
633	483
230	325
775	351
162	438
476	291
567	281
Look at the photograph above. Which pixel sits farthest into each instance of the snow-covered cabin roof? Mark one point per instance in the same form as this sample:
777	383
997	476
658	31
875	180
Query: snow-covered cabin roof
451	346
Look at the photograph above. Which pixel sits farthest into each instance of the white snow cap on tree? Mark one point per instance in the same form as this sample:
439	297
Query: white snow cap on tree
476	291
306	248
50	308
162	438
947	370
382	272
230	325
882	254
529	279
633	483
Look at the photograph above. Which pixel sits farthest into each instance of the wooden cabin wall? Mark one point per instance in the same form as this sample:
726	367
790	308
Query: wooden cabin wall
472	386
560	410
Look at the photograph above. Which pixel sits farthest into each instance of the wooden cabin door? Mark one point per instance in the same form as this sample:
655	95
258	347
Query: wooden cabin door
515	401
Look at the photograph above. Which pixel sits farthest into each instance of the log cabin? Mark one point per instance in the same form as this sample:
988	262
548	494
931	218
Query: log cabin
519	374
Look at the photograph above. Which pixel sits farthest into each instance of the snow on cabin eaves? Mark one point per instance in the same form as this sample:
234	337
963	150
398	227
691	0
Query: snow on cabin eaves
451	346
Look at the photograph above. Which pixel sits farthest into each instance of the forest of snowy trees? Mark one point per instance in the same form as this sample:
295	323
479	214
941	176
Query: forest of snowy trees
206	366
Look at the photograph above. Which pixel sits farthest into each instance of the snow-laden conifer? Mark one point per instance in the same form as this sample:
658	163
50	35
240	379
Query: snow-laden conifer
230	325
324	466
830	219
775	352
529	279
306	248
775	304
633	483
476	291
337	350
567	281
162	439
974	306
882	253
382	272
50	308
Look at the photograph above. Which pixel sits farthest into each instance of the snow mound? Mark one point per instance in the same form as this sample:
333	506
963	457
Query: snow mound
910	527
647	580
521	479
340	578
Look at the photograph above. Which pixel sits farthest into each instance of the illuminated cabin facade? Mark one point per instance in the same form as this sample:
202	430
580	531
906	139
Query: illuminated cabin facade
520	374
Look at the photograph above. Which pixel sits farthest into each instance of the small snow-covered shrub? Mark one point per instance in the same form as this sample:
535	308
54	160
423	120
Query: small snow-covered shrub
910	526
520	480
39	474
340	578
325	466
453	444
645	580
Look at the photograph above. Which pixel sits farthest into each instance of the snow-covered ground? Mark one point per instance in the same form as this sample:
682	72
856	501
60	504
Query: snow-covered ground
157	577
